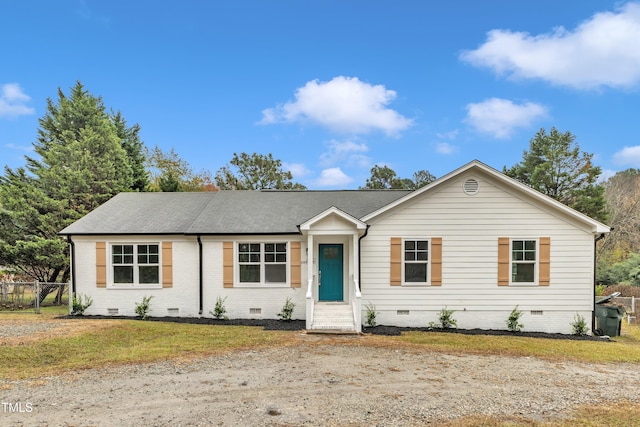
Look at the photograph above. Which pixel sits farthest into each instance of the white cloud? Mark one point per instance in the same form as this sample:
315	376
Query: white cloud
446	148
298	170
345	151
13	100
448	135
26	148
604	50
333	177
500	117
628	156
605	175
343	105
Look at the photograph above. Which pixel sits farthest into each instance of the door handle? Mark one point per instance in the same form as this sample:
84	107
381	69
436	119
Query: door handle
319	277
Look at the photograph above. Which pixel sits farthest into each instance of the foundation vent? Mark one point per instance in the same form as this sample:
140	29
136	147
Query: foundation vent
173	311
471	187
255	310
112	311
537	312
403	312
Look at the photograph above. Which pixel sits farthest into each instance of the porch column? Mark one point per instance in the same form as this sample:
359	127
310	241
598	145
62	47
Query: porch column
309	295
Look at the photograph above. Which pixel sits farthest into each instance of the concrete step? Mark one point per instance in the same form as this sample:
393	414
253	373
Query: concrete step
332	318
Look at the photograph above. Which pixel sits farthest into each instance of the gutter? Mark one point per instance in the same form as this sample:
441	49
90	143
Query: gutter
366	231
200	278
593	312
72	247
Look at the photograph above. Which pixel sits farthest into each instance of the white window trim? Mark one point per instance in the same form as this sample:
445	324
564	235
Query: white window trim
134	285
414	284
262	284
536	263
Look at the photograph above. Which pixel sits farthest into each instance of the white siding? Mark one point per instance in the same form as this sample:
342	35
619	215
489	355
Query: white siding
470	227
240	300
183	295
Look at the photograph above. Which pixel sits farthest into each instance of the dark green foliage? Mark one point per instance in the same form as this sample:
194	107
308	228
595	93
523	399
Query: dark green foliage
384	178
79	163
80	303
371	315
287	310
513	322
219	312
255	172
555	166
626	271
143	308
169	183
579	326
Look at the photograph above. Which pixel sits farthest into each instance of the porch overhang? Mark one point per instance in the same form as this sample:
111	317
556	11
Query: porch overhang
359	227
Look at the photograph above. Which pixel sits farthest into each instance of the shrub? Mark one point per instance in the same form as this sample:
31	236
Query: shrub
579	326
142	308
219	311
513	322
601	289
371	315
287	310
80	303
446	320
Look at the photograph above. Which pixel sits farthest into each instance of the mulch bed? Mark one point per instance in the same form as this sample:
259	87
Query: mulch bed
299	325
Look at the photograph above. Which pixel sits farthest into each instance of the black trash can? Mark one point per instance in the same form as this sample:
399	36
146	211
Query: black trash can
609	320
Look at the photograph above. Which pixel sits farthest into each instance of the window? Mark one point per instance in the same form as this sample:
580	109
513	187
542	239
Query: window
136	264
262	263
416	260
523	261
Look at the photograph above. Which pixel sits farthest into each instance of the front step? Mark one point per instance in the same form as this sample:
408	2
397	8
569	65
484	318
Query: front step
332	318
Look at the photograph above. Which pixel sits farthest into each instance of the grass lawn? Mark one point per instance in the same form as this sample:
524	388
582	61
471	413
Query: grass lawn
114	342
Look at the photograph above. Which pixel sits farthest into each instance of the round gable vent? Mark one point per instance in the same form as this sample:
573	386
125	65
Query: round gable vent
471	187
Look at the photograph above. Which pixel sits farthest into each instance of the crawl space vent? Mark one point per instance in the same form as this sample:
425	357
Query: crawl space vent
255	311
471	187
403	312
537	312
173	311
112	311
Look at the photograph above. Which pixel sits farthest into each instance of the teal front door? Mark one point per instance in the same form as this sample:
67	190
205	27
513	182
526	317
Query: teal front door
330	273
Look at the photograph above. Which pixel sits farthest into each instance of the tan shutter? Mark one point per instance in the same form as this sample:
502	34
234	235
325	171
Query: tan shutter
101	264
436	261
296	279
167	264
544	276
227	264
396	261
503	261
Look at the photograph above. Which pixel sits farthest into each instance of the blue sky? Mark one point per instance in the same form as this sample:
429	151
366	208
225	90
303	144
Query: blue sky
334	87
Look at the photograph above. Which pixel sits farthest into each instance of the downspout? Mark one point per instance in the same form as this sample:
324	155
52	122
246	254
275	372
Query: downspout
72	246
200	279
366	231
593	312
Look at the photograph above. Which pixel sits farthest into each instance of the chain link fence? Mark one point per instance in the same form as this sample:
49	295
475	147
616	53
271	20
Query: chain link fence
32	295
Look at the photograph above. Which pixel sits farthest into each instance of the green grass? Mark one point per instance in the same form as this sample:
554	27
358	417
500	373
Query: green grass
129	341
625	348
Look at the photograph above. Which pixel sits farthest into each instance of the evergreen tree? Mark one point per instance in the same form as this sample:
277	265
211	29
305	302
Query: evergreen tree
555	166
79	163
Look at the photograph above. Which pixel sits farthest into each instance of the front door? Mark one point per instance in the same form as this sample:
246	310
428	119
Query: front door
330	273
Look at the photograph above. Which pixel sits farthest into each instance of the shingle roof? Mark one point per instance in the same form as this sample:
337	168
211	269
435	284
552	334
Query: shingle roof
224	212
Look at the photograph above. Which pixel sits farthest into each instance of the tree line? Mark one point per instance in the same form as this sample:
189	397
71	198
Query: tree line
85	154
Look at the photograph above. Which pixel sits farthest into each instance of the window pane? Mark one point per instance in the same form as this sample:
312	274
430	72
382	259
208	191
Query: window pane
415	272
517	256
269	247
275	273
127	259
530	256
281	257
530	245
517	245
409	245
149	274
423	245
409	256
243	247
423	256
143	249
254	257
269	257
153	259
123	274
523	273
243	257
250	273
281	247
254	247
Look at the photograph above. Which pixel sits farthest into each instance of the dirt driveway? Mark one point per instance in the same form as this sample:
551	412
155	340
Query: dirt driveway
322	381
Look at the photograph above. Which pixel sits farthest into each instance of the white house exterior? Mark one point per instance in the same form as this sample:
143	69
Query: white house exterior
474	241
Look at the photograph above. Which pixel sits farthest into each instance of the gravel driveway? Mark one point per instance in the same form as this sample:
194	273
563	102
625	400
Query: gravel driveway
324	380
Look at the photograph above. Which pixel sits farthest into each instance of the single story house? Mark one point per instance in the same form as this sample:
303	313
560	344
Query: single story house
474	241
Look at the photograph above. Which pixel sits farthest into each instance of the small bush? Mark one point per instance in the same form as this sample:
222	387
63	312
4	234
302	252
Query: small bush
579	326
513	322
219	311
371	315
600	289
287	310
445	319
142	308
80	303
